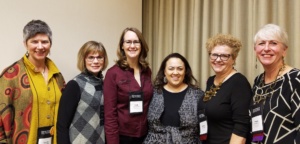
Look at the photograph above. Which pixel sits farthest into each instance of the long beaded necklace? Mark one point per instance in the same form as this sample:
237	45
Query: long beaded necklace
269	91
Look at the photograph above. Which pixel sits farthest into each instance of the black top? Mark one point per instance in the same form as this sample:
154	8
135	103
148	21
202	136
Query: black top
227	112
66	115
172	102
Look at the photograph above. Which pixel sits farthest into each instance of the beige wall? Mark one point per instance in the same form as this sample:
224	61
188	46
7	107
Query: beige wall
73	22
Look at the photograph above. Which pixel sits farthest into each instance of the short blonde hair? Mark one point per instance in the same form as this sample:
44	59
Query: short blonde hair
88	47
271	32
225	39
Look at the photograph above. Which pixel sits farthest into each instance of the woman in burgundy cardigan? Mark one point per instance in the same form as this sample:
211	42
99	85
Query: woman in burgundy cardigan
128	91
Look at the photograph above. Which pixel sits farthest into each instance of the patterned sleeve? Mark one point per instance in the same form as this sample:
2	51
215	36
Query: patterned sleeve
2	131
201	103
3	107
295	105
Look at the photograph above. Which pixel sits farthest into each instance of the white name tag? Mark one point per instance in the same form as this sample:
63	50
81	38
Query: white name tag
257	123
203	127
45	140
136	107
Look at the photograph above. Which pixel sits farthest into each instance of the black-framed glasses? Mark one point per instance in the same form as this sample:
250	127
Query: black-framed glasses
129	43
92	58
223	57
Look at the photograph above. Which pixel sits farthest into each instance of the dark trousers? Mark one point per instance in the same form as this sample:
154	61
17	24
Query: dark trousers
131	140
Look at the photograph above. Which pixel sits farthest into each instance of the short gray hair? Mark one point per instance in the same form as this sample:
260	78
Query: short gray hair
272	31
35	27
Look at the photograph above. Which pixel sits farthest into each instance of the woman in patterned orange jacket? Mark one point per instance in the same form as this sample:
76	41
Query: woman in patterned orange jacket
30	90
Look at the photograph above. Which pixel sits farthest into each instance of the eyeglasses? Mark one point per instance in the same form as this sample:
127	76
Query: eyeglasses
223	57
92	58
135	43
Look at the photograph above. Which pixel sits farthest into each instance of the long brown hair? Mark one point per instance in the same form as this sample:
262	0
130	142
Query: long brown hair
122	62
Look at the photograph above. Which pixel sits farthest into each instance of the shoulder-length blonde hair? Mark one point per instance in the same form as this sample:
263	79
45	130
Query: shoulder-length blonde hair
122	62
88	47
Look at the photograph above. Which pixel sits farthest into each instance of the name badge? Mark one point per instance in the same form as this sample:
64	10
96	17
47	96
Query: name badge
45	141
257	122
44	135
203	125
136	103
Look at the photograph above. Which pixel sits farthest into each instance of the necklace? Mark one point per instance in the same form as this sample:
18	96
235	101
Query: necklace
269	91
214	89
212	92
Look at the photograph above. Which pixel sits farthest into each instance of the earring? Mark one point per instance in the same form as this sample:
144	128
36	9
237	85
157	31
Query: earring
234	68
283	61
165	79
256	63
27	54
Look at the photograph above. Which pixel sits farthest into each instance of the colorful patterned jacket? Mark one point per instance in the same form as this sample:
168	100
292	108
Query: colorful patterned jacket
16	103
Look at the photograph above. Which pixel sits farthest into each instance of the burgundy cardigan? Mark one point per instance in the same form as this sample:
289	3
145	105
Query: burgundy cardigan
117	120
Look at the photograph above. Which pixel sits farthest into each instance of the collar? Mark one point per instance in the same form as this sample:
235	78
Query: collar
49	63
89	74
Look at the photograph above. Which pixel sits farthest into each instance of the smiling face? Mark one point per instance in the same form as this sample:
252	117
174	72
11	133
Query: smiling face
218	65
94	63
270	52
131	45
175	72
38	48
